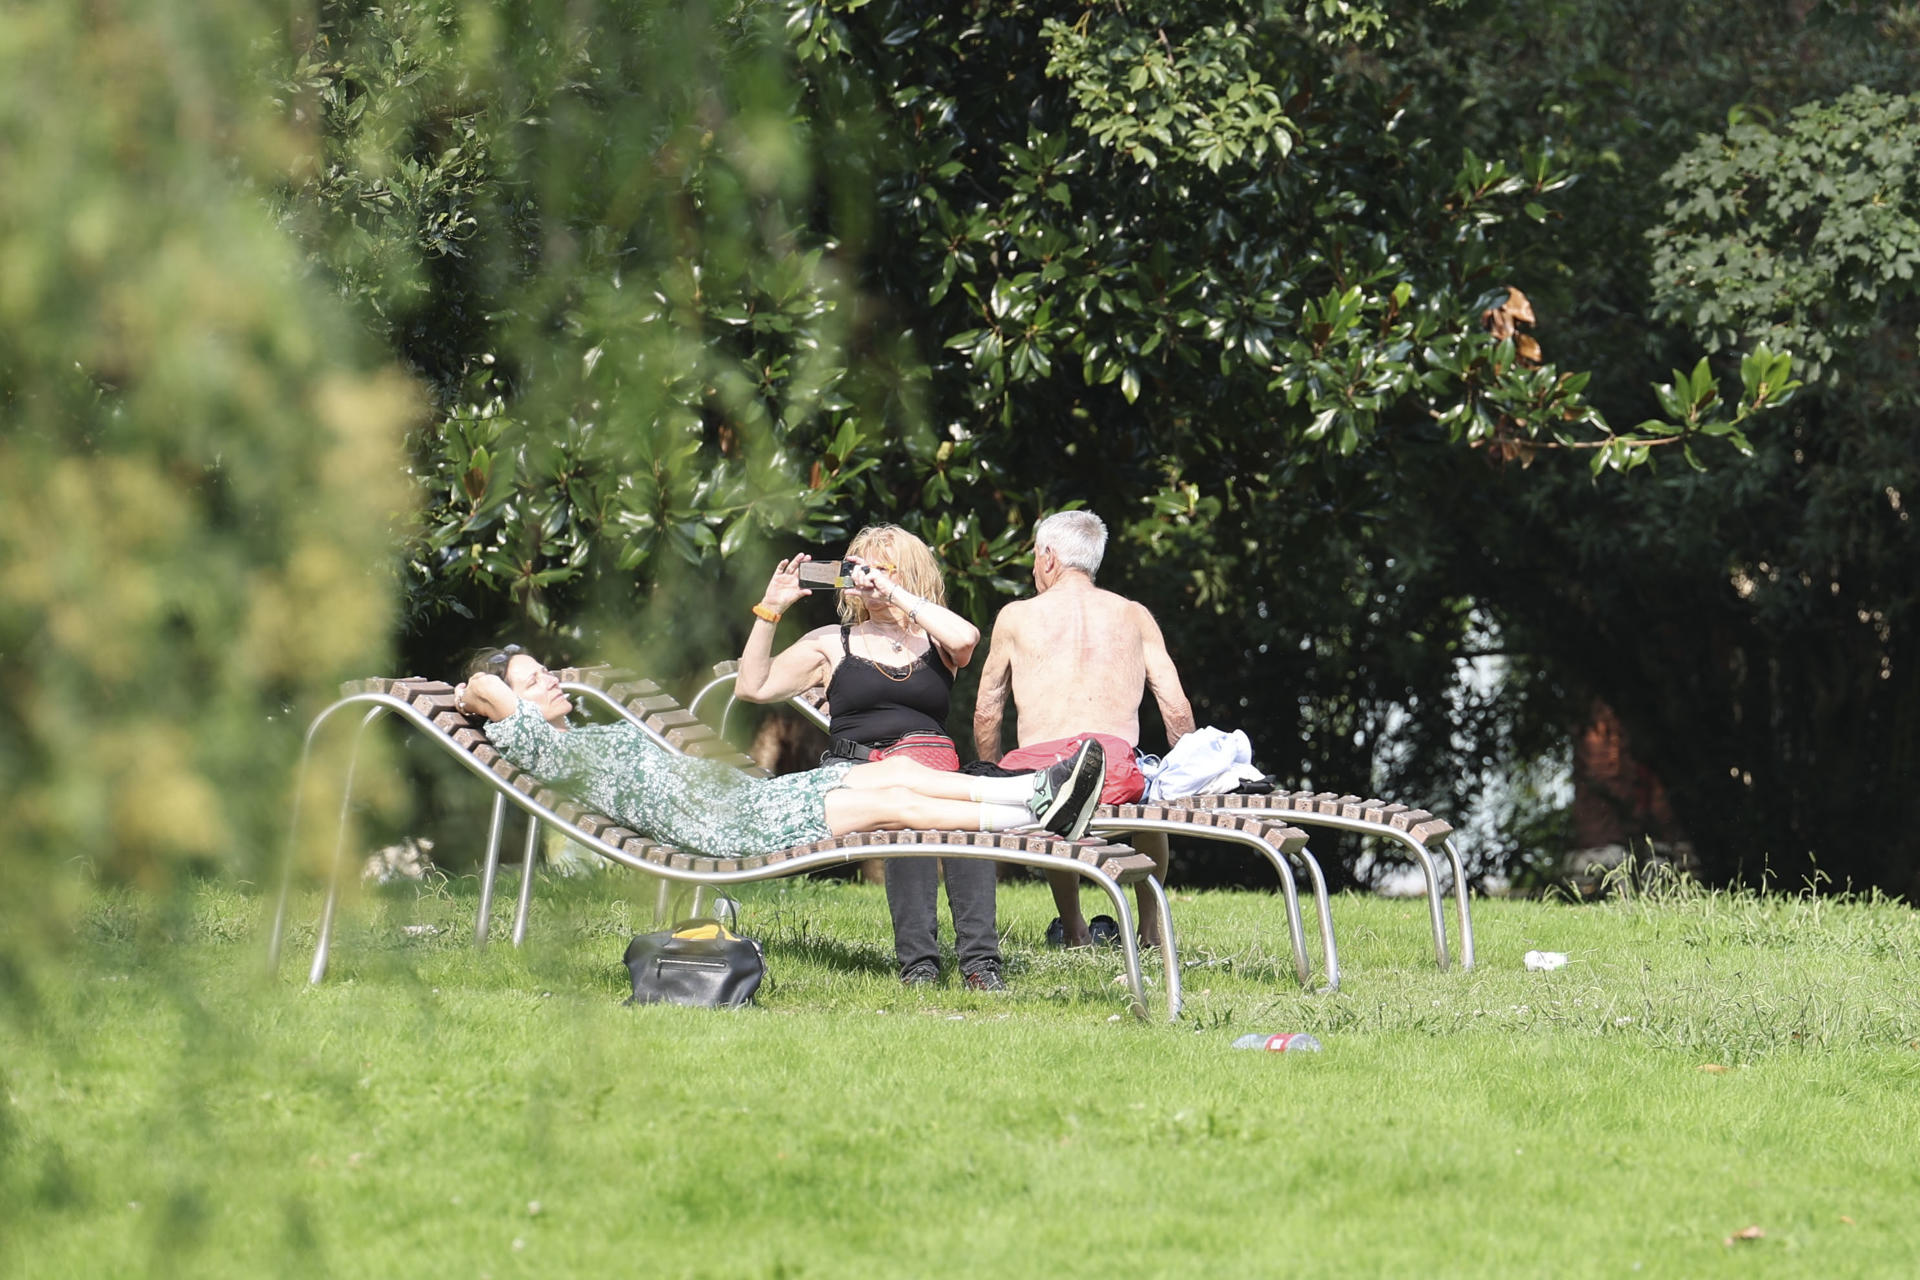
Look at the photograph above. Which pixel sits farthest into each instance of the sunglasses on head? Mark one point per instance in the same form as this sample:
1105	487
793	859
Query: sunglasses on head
498	661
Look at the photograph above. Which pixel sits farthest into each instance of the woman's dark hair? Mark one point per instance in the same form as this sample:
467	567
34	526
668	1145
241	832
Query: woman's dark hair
491	660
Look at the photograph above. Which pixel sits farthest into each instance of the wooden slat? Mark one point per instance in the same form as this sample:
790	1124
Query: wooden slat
665	720
684	738
634	694
1409	818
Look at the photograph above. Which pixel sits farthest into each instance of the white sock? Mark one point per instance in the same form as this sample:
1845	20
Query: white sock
1003	817
1016	790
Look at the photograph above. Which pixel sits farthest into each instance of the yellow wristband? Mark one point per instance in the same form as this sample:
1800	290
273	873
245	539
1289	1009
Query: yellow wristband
761	611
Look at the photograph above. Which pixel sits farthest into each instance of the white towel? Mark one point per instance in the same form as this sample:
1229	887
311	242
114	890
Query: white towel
1206	761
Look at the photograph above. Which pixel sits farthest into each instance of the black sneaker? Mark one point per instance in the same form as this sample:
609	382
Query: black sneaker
987	979
1105	931
924	974
1064	794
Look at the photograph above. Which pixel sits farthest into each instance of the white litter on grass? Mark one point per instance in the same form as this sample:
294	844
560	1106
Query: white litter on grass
1541	960
420	930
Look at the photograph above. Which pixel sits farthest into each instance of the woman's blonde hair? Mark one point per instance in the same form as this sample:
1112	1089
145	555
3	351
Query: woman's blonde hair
914	567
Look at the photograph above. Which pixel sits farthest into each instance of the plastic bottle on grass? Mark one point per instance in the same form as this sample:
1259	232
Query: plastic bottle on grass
1299	1042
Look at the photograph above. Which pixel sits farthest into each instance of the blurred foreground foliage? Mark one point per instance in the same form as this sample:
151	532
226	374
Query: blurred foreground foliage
199	471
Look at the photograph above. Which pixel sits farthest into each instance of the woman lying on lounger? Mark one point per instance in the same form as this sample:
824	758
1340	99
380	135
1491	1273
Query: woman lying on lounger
708	807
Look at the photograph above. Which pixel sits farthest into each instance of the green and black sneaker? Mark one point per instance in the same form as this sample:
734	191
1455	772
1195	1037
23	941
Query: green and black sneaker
1065	794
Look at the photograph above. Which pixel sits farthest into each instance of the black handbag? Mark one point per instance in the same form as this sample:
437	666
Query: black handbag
697	962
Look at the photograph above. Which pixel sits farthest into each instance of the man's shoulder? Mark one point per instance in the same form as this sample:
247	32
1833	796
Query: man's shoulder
1015	612
1123	606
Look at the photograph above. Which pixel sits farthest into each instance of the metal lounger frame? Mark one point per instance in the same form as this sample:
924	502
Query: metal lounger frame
1417	830
1269	837
684	731
542	806
1414	829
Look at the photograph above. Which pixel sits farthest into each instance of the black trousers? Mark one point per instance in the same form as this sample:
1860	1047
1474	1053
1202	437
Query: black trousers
913	896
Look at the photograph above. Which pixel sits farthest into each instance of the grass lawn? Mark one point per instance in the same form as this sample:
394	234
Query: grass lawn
1706	1064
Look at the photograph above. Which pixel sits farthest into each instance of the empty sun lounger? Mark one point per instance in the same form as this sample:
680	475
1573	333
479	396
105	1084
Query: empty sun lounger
427	705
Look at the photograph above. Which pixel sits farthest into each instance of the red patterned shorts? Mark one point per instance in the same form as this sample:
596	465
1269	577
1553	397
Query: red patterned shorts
1124	782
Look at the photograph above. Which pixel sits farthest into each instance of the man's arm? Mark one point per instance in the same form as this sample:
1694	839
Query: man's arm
990	704
1176	713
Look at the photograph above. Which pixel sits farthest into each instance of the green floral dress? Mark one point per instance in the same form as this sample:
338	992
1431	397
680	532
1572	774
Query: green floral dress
701	806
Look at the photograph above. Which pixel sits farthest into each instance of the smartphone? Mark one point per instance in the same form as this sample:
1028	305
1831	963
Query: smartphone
831	574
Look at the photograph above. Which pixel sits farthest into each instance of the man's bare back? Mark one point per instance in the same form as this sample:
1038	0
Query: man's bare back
1078	660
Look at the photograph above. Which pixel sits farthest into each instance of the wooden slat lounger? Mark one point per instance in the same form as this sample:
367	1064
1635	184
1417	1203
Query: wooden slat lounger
1271	838
427	705
1422	834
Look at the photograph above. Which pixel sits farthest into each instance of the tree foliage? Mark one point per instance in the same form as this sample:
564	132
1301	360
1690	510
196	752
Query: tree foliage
689	281
1748	623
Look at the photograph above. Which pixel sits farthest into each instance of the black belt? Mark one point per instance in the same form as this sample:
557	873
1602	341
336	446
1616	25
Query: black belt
847	749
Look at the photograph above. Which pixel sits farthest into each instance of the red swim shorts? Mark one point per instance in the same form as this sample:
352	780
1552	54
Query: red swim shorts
1124	782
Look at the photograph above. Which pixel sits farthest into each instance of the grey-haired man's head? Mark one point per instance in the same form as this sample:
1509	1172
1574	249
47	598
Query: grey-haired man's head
1068	540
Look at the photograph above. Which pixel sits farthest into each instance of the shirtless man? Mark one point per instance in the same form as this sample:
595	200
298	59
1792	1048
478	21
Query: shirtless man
1079	660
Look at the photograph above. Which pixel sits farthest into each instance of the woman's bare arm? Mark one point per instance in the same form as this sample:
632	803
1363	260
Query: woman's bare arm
765	677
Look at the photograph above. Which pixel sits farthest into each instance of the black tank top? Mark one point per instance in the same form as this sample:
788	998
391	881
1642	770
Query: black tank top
872	706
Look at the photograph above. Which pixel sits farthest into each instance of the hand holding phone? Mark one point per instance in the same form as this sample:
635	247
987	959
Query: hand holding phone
831	574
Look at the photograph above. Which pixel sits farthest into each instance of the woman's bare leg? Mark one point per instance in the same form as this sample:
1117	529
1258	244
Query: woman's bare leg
899	771
851	809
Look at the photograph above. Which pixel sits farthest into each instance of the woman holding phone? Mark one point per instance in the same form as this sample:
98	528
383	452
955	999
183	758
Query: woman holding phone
888	671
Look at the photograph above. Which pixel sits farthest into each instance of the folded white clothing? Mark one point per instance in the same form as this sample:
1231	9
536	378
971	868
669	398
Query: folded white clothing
1198	764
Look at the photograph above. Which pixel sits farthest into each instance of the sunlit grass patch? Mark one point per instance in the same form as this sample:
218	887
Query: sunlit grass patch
1702	1065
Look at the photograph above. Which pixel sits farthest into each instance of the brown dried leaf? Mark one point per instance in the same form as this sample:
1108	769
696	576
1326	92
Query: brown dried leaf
1744	1233
1527	349
1500	320
1713	1068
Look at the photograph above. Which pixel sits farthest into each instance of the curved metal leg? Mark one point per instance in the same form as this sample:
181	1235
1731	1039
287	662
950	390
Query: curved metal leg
1324	907
1296	930
526	881
1169	950
484	920
709	687
1460	899
1130	945
1436	904
1290	896
1289	890
277	932
1436	901
320	946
